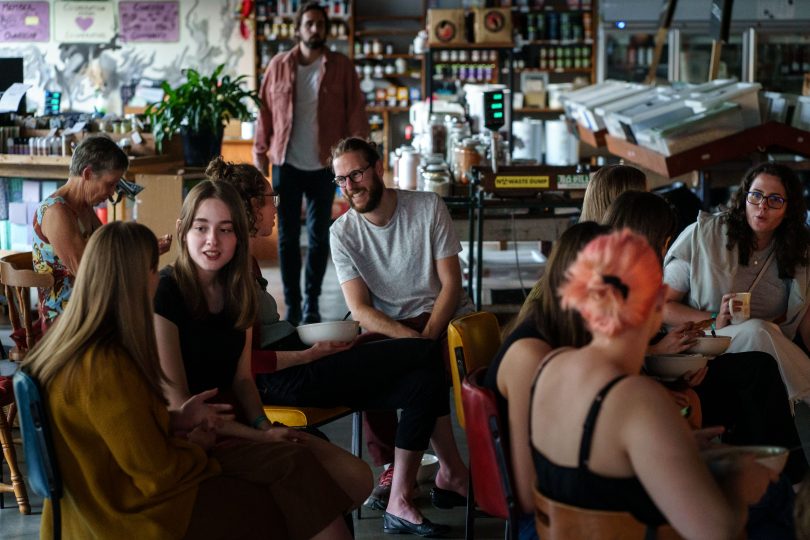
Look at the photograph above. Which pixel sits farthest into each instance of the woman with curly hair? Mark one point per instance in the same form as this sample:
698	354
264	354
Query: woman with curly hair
759	246
602	436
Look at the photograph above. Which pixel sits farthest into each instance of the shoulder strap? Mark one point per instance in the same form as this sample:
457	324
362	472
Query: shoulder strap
762	269
543	363
590	422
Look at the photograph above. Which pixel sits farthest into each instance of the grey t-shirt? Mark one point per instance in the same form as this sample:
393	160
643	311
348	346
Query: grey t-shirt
397	261
768	299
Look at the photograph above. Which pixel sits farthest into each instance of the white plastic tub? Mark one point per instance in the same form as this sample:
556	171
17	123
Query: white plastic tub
702	128
746	95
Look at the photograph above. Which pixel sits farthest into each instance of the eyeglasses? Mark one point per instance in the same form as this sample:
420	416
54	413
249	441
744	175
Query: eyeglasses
276	199
354	176
756	197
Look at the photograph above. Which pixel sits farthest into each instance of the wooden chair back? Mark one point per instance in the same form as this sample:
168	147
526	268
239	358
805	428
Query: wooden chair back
473	341
18	277
558	521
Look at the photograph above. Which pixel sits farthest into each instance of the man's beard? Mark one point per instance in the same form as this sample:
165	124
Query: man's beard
374	192
315	42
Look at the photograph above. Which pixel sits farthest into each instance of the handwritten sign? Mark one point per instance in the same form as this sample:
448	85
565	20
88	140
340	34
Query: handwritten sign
149	21
83	22
25	21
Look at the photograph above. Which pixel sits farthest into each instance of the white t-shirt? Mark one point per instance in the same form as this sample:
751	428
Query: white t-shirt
302	150
398	261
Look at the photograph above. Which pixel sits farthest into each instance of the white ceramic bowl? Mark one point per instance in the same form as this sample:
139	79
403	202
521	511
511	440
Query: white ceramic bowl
428	469
710	345
310	334
773	457
673	366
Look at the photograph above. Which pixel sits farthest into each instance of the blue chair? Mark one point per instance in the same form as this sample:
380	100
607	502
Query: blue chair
40	457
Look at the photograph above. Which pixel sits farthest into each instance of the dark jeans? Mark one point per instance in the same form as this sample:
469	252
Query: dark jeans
744	393
292	185
381	375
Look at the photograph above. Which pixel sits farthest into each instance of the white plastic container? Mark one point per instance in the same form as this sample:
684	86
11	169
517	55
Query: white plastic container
776	106
659	110
722	121
583	109
744	94
801	114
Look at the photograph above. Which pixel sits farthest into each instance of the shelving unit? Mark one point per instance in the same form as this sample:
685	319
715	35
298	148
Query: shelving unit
393	29
557	41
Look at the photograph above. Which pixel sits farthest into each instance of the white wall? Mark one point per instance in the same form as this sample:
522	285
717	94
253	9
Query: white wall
209	36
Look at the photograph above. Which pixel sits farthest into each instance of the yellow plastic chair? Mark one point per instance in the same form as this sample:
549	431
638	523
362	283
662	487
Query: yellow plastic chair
474	340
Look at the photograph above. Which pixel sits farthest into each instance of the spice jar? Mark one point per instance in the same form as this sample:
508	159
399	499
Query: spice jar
466	155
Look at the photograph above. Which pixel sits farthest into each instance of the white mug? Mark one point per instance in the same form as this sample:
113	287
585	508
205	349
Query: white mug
744	312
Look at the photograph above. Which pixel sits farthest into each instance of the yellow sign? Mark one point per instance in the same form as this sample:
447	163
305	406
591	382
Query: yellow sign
526	182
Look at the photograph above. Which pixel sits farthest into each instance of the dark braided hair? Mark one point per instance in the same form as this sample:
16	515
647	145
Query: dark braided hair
248	181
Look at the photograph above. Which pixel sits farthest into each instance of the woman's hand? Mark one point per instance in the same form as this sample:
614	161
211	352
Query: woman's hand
325	348
724	315
195	412
677	340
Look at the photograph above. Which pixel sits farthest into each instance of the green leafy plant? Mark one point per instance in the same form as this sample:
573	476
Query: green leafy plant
201	104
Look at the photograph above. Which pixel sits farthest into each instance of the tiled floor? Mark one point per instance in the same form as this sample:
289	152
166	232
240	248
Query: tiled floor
15	526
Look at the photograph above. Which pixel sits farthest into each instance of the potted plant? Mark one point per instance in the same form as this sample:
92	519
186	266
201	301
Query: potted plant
199	109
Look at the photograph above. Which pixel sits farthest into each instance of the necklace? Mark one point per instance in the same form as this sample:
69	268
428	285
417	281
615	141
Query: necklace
762	256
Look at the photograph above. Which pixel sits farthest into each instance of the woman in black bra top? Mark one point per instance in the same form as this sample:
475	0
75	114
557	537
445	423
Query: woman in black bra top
603	437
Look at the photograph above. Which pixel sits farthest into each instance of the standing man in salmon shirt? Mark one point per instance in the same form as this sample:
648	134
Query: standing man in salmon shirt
311	99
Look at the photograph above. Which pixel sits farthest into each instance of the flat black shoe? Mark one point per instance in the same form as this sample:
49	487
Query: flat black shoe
444	498
396	525
375	503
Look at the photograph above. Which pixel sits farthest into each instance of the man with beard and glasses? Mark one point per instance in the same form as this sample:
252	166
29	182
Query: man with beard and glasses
396	256
311	99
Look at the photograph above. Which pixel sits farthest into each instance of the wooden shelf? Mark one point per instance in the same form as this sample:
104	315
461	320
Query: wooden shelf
553	70
386	32
388	56
379	109
558	42
756	139
361	18
482	46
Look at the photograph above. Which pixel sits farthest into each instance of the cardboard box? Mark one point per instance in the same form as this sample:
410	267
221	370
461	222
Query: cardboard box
493	25
445	27
534	99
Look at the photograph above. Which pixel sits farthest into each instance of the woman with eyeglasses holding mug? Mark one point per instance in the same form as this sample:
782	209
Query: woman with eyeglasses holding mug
747	269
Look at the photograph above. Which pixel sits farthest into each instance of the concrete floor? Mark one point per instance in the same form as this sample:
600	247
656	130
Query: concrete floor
15	526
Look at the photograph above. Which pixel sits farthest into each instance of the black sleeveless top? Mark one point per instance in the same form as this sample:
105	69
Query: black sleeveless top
578	486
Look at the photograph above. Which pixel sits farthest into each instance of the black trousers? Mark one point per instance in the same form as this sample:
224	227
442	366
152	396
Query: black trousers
292	185
744	393
380	375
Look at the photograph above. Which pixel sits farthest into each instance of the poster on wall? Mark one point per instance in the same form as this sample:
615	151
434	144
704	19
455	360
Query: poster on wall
149	21
83	22
25	21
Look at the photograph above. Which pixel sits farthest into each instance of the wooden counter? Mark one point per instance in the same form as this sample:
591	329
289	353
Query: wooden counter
165	182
